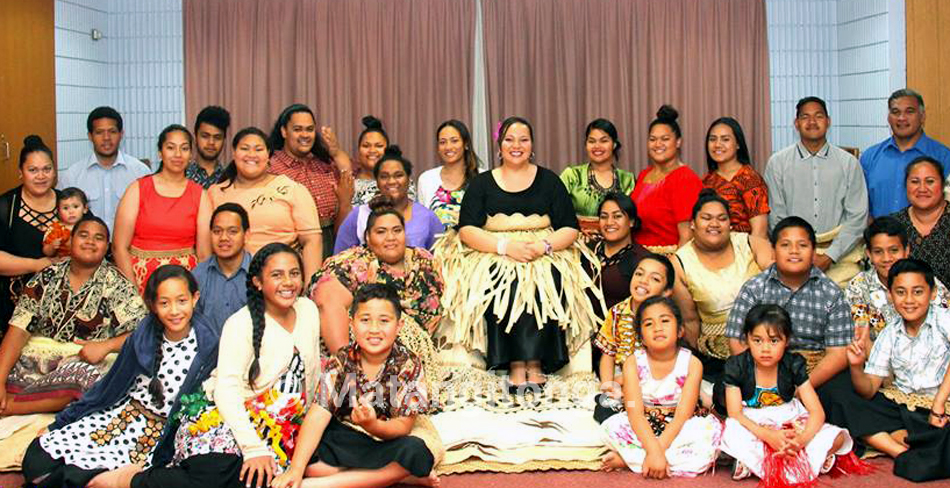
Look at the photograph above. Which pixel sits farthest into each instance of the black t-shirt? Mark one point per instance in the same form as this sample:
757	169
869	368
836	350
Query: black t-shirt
546	196
740	371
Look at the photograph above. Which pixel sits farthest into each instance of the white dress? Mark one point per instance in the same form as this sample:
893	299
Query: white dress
695	448
129	431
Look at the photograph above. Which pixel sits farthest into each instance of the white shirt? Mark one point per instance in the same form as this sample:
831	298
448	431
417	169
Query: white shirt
103	187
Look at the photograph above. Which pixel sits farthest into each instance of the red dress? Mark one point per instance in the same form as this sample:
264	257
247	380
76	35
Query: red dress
165	229
664	204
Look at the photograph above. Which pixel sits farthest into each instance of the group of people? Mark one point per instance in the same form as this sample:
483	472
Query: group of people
289	313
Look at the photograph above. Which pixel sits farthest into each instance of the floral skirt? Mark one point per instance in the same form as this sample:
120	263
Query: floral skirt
740	443
144	263
276	416
692	452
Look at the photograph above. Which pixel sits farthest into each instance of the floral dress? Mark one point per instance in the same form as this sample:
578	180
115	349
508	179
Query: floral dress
695	448
128	432
276	414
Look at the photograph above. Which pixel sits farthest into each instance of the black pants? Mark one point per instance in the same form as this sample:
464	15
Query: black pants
344	447
41	470
202	471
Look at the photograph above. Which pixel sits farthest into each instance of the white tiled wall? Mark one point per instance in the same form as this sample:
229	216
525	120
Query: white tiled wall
137	68
849	52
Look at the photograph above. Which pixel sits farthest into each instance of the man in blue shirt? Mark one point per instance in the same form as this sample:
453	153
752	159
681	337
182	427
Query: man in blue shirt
222	278
105	174
884	163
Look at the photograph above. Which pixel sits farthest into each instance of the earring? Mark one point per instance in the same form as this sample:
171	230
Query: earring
531	157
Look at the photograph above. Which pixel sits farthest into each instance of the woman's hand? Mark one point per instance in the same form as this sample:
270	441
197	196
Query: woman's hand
345	188
655	466
259	469
290	479
524	252
93	352
329	137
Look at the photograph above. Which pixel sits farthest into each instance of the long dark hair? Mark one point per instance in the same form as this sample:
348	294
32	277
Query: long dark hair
468	156
255	299
162	274
230	173
742	149
607	127
319	149
163	136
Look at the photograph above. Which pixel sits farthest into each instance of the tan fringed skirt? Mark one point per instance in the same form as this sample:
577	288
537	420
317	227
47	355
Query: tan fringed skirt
475	281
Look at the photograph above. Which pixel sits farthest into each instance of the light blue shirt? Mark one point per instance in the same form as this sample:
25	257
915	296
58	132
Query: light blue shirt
884	166
917	363
221	296
103	187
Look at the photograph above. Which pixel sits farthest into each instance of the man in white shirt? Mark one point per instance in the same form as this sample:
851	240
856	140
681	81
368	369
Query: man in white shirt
105	174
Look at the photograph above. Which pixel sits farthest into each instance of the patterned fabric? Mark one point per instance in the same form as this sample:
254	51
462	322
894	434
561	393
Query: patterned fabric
820	314
871	305
196	173
618	336
419	282
764	397
446	205
586	193
61	232
917	363
105	306
53	371
319	177
144	263
666	391
276	415
934	248
746	193
365	190
401	378
128	432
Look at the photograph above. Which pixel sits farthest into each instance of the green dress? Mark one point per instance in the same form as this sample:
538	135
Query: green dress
586	193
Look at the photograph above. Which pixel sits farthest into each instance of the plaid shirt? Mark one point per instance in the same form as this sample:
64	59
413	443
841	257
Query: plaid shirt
196	173
820	314
917	363
319	177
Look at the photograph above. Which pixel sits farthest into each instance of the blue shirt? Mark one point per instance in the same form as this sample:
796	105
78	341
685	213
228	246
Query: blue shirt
421	230
884	165
103	187
220	296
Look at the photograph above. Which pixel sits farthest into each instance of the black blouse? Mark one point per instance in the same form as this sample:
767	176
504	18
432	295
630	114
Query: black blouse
546	196
740	371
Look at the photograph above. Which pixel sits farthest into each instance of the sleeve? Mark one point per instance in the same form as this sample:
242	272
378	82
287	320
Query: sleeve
329	384
232	383
879	361
570	178
304	211
562	207
473	210
627	181
346	236
840	328
426	189
756	195
411	395
412	190
685	192
433	226
125	304
779	209
732	373
5	210
28	310
605	340
799	369
50	233
855	218
744	302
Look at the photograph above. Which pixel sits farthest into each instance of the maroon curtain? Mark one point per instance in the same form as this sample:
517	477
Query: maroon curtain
563	63
409	62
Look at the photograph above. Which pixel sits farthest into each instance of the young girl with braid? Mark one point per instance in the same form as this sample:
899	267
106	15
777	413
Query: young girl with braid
127	420
241	429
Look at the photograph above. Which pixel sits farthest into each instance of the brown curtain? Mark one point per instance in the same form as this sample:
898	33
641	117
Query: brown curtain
563	63
409	62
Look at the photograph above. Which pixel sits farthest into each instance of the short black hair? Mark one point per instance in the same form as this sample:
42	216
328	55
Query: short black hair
235	208
906	92
790	222
801	103
771	315
376	291
103	113
911	265
89	217
658	300
665	261
708	195
885	225
937	165
626	205
213	115
72	192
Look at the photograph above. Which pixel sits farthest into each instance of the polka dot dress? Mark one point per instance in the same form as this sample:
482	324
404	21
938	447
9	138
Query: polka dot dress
128	432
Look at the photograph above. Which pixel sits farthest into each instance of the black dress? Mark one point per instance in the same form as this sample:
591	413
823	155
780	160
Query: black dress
21	234
933	248
546	196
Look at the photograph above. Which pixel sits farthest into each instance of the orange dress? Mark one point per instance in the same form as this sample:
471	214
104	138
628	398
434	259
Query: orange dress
58	231
165	229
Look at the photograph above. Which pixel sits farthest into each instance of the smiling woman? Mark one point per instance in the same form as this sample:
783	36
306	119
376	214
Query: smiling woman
163	218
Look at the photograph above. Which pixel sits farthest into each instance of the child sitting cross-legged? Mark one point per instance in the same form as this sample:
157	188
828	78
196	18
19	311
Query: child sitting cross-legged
358	432
915	350
776	427
661	433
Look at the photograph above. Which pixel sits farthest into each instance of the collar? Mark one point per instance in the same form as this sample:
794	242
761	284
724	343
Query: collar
355	353
309	158
772	274
928	320
920	145
803	153
245	262
119	160
217	166
63	274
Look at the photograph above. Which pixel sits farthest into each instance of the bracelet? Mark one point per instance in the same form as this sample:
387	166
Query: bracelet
501	247
548	248
938	415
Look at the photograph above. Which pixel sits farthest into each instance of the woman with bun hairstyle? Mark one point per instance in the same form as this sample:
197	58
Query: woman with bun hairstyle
25	213
371	145
393	174
666	191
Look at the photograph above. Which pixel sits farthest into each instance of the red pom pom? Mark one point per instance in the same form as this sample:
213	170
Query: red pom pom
849	464
782	472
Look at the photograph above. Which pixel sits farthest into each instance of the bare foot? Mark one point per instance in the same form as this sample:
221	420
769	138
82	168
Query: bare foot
117	478
612	462
900	436
431	480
